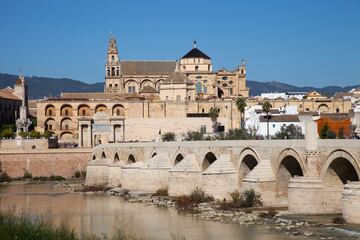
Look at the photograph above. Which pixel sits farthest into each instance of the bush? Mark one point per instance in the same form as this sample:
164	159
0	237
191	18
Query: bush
47	134
27	175
34	134
4	177
193	136
56	178
326	132
77	174
162	192
7	133
168	137
246	199
189	202
338	220
23	134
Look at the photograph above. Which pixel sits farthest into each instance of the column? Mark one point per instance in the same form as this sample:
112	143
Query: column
80	135
90	134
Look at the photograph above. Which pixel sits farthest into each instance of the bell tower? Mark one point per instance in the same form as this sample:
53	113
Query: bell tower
113	82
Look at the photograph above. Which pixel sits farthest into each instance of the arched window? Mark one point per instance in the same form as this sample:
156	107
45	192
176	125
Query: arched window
113	71
198	87
50	112
196	68
112	58
178	98
108	71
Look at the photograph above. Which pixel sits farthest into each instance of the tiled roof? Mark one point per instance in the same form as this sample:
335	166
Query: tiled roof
147	67
148	89
196	53
281	118
177	77
95	95
8	94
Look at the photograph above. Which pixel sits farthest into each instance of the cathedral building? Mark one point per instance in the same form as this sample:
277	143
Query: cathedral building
143	99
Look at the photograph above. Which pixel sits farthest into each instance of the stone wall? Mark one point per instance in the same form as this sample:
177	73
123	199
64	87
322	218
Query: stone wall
62	162
24	144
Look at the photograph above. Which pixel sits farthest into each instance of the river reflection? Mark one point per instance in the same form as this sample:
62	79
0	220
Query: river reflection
102	214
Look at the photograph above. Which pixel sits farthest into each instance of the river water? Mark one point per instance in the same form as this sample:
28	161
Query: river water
102	214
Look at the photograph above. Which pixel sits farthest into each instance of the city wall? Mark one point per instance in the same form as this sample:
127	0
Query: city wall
44	162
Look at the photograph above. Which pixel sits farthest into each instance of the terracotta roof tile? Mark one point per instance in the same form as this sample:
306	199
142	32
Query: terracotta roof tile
281	118
147	67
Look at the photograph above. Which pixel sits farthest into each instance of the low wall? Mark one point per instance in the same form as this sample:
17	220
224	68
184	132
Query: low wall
44	162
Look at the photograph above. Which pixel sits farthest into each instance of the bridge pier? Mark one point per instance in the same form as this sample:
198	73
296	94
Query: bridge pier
351	202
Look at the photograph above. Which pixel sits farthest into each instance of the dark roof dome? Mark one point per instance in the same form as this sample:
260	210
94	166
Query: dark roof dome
196	53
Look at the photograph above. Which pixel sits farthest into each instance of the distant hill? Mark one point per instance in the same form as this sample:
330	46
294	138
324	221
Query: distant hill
40	87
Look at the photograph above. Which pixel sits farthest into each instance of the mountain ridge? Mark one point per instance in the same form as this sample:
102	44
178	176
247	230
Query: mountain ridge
40	87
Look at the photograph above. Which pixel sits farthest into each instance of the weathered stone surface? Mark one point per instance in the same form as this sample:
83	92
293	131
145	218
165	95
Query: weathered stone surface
351	202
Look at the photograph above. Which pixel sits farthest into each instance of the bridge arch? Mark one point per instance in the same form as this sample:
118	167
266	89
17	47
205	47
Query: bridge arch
178	157
103	155
209	158
116	157
246	162
287	165
339	167
131	159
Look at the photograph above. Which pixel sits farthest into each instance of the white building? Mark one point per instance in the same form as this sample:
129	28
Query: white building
255	119
287	95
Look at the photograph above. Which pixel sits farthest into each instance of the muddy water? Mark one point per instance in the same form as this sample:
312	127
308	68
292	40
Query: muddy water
102	214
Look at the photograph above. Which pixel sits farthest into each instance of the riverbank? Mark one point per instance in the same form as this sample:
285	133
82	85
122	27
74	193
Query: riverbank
265	218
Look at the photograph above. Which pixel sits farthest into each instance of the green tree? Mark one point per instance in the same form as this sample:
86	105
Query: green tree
241	105
214	114
326	133
289	132
168	137
266	108
8	133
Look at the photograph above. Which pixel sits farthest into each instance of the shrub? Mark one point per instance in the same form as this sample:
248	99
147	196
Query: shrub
338	220
4	177
77	174
96	188
27	175
56	178
199	196
34	134
162	192
47	134
168	137
8	133
250	198
193	136
23	134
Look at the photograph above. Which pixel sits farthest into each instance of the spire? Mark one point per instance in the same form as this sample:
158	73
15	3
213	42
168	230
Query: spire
112	44
194	44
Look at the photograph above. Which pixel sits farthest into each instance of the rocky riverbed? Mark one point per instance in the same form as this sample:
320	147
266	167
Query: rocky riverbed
271	219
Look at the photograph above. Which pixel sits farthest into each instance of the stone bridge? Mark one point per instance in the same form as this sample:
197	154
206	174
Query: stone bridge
307	175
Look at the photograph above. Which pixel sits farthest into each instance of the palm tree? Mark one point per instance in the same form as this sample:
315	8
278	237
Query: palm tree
266	108
241	105
214	114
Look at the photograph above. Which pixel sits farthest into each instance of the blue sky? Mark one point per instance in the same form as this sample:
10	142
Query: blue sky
300	42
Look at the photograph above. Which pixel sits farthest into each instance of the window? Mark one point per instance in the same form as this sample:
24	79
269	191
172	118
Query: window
83	112
66	112
198	87
242	71
113	71
184	67
117	72
230	91
108	71
50	112
203	110
117	112
337	110
208	67
273	125
116	85
196	68
167	98
203	129
224	78
112	58
198	77
205	89
50	127
178	98
66	127
110	85
131	89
